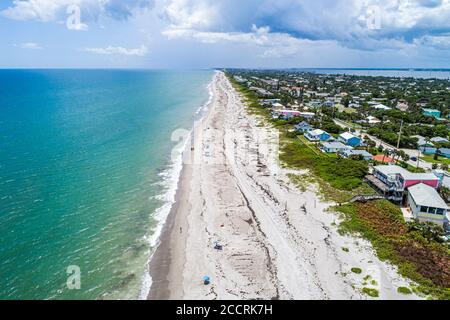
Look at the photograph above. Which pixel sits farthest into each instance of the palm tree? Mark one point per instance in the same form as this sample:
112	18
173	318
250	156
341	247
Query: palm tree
386	153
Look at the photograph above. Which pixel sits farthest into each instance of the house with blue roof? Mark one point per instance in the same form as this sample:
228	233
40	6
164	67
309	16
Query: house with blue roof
444	152
350	139
303	127
333	147
348	153
431	113
317	135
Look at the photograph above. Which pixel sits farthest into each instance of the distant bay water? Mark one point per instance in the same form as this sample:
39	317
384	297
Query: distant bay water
84	168
398	73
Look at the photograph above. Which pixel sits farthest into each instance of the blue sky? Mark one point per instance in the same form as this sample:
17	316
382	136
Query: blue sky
224	33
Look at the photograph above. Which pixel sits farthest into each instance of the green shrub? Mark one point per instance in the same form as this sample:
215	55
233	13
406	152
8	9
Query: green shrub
404	290
371	292
356	270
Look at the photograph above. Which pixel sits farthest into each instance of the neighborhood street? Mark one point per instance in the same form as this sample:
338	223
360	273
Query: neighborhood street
411	152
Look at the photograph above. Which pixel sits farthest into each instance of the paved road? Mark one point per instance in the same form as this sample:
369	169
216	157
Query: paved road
411	152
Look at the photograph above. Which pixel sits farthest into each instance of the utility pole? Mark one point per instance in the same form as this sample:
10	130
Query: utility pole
400	135
418	158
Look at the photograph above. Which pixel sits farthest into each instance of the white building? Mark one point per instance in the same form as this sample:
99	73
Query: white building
372	120
427	205
381	107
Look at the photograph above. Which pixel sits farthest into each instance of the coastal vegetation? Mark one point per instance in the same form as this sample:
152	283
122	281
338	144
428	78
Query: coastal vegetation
415	248
371	292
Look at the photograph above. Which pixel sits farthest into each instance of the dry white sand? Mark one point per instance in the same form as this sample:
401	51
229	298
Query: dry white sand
278	242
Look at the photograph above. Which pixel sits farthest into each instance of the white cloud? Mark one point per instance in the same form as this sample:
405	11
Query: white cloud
41	10
110	50
353	23
439	42
56	10
30	46
274	44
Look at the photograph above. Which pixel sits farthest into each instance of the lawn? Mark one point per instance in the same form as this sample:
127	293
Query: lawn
441	160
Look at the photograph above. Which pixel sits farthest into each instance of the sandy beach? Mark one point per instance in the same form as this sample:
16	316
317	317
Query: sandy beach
278	242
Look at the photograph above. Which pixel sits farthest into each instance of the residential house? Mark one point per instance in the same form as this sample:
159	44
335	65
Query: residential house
372	120
348	153
439	140
393	180
422	141
381	107
431	113
317	135
402	106
444	152
333	147
427	205
307	115
286	114
350	139
303	127
425	145
328	103
277	105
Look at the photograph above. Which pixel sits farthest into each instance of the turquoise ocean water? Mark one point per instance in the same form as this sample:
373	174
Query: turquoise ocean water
84	164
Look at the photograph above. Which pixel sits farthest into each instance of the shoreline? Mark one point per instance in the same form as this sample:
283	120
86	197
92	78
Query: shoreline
278	242
163	265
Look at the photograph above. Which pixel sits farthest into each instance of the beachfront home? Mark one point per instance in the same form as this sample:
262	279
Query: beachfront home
431	113
427	205
333	147
393	180
303	127
286	114
317	135
307	115
348	153
278	106
350	139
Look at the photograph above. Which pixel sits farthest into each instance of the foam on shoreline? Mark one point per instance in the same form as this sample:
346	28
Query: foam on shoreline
171	177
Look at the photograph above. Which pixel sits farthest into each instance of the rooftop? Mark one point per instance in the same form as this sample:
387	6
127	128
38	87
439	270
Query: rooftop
348	136
425	195
335	145
394	170
363	153
316	132
383	159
